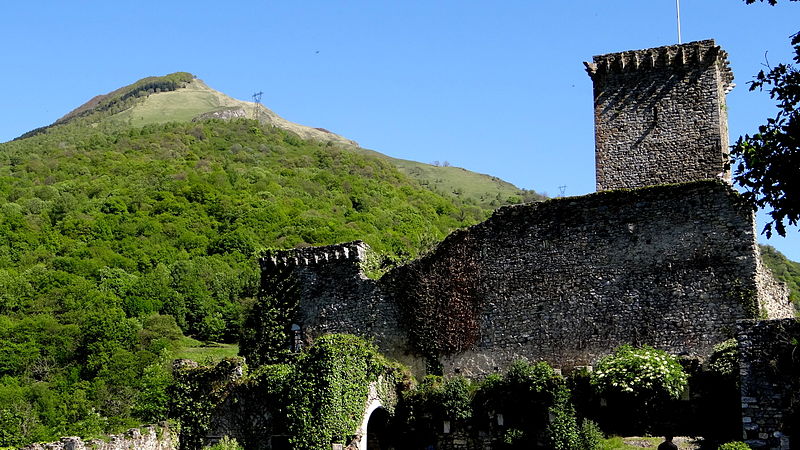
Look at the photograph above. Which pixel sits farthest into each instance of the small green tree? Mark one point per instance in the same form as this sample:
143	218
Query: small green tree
637	384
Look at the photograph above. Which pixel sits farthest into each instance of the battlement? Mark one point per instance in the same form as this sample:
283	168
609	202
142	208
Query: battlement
354	252
660	115
689	55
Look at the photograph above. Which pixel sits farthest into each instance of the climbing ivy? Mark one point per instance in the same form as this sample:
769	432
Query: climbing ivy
328	392
265	336
534	401
439	300
194	395
318	398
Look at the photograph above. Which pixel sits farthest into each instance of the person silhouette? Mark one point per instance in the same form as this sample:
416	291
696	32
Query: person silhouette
667	444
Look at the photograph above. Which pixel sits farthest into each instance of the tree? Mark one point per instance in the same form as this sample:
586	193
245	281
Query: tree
767	162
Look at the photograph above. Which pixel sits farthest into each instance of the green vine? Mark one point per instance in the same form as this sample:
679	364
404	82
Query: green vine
439	300
265	336
194	395
330	386
316	400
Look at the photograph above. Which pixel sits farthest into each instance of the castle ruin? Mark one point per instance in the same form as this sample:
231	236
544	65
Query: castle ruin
664	254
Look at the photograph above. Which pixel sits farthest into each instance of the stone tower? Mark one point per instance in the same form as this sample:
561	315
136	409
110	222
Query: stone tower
660	115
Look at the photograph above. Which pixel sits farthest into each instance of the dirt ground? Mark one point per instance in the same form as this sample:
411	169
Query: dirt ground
683	442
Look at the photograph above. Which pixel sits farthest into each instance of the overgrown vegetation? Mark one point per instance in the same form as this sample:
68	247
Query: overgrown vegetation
439	300
316	399
636	388
645	373
529	403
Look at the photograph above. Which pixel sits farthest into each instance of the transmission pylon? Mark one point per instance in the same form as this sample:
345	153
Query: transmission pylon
257	105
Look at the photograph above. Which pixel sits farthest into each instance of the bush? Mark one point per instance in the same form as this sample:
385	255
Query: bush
440	399
591	436
644	373
725	359
735	445
226	443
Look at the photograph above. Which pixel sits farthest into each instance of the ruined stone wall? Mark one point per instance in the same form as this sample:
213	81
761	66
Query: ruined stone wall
770	382
566	281
660	115
570	279
773	295
151	437
335	296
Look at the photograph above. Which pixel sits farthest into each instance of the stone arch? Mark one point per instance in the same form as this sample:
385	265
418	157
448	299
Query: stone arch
363	430
379	430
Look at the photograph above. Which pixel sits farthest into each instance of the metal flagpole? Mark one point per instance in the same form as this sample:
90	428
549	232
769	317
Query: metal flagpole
678	12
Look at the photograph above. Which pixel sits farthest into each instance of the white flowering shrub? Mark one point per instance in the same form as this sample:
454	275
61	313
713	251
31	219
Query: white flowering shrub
643	372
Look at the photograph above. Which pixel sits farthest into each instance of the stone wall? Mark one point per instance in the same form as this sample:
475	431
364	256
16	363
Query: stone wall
770	382
152	437
773	295
565	280
336	297
660	115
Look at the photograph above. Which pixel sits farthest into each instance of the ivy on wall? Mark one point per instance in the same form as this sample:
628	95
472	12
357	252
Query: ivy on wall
196	392
265	336
439	300
533	401
328	393
315	400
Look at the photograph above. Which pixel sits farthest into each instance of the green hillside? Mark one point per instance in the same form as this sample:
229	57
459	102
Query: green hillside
484	190
122	233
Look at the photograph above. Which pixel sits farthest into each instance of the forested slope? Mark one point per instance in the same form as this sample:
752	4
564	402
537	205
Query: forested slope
114	241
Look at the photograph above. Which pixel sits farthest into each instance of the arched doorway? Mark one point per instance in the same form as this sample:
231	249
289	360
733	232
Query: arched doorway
378	430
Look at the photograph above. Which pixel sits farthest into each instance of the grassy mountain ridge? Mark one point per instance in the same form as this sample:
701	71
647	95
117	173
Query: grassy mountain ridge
181	97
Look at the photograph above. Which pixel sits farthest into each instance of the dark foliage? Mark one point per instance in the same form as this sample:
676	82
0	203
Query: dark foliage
439	300
767	163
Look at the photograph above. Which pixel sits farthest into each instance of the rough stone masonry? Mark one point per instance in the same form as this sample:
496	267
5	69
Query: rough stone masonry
660	115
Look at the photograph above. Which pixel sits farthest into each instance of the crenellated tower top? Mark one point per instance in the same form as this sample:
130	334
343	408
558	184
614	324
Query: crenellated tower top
349	252
660	115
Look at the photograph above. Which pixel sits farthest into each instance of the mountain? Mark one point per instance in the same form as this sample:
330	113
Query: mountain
181	97
133	222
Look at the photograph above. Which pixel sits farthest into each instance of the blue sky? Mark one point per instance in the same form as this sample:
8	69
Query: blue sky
497	87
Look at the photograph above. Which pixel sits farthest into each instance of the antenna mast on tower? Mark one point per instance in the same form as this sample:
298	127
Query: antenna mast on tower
678	13
257	104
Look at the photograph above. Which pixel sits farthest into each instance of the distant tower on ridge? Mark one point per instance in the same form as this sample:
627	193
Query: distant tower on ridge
257	105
